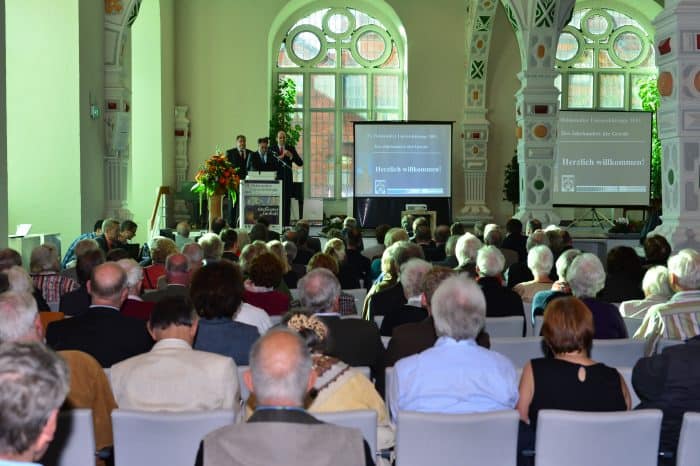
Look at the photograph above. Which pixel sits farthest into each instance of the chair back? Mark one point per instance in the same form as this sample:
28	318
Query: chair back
527	315
619	352
504	327
664	343
626	373
435	438
378	320
385	341
604	439
147	438
632	324
46	317
539	321
359	295
688	446
74	441
365	420
518	349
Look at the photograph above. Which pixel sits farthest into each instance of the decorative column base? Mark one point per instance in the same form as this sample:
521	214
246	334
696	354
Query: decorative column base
546	216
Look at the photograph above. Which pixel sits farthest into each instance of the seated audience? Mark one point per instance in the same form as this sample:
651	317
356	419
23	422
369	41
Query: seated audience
375	251
173	376
676	319
411	277
280	376
657	290
356	264
412	338
265	274
109	239
117	254
272	235
127	231
102	331
229	237
455	375
346	302
519	272
570	380
217	225
493	236
515	240
500	301
291	250
133	305
161	249
78	301
216	292
212	247
423	238
80	248
18	280
656	251
289	277
300	236
393	235
10	257
243	239
450	259
623	280
44	269
532	225
89	387
33	385
669	381
70	256
249	253
353	341
177	279
559	288
259	232
467	247
348	280
182	235
586	278
441	235
457	229
195	256
540	261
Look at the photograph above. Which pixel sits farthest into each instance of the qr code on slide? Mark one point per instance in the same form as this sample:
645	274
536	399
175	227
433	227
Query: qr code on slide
379	186
568	183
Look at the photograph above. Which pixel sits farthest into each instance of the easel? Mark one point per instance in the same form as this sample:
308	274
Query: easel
596	219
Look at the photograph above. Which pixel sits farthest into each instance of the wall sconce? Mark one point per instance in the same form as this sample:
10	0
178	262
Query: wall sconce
94	109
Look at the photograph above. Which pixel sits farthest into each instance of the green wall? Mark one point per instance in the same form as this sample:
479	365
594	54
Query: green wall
3	133
43	124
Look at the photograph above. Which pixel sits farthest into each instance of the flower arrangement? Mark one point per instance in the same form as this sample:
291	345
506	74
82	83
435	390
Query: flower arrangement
217	176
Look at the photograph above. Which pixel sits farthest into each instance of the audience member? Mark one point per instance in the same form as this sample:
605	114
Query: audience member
500	301
102	331
515	240
195	256
455	375
216	292
336	248
117	254
586	278
109	238
265	274
70	256
559	288
493	236
457	229
78	301
249	253
423	238
19	280
467	247
243	239
532	226
81	247
33	385
393	235
411	277
356	264
259	232
289	277
89	387
375	251
407	224
212	247
669	381
478	230
290	249
677	318
450	257
182	235
657	290
173	376
353	341
10	257
161	249
272	235
229	237
133	305
177	279
519	272
217	225
281	431
346	302
441	235
570	380
540	261
623	279
656	251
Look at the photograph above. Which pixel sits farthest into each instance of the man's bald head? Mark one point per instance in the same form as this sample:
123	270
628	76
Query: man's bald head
107	284
177	269
280	369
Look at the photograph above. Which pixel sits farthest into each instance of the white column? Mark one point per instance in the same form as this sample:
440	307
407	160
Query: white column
678	59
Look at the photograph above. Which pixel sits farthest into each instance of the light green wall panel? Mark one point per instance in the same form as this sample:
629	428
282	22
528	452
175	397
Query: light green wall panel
3	133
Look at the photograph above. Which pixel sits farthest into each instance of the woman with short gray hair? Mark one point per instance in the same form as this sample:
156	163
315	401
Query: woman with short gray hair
657	290
586	278
539	260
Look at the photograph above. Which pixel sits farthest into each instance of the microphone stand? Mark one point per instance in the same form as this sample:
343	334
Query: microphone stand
279	159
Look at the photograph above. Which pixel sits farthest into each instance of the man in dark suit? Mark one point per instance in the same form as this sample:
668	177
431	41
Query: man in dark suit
287	154
515	240
357	265
262	160
102	331
353	341
238	157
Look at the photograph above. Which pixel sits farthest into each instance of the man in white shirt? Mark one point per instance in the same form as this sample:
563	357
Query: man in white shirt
456	375
173	376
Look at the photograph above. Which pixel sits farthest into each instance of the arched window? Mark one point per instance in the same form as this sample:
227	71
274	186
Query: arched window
602	56
347	66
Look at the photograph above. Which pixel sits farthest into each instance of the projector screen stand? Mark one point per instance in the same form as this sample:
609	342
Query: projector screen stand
596	219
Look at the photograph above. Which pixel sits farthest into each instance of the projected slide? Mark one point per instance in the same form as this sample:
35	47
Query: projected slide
403	159
602	158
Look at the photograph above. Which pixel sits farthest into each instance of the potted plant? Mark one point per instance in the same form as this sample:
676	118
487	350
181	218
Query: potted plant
283	100
511	182
651	101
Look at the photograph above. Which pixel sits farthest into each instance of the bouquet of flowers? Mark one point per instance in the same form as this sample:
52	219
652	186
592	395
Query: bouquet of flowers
217	176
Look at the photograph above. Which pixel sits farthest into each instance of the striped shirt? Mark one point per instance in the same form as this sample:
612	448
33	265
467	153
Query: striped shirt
677	319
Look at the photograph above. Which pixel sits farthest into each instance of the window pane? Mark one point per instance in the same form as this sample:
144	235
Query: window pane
346	173
322	146
604	60
330	60
355	91
322	91
387	116
298	172
338	23
597	24
370	46
636	102
306	45
568	46
580	91
611	92
393	60
299	83
283	60
584	61
386	91
348	60
628	46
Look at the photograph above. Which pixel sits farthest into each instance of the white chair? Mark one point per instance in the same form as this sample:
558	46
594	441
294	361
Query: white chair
295	293
147	438
527	314
632	324
451	439
74	441
365	420
359	295
503	327
388	385
245	393
108	374
665	343
378	320
605	439
385	342
626	373
276	319
518	349
688	446
619	352
539	320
